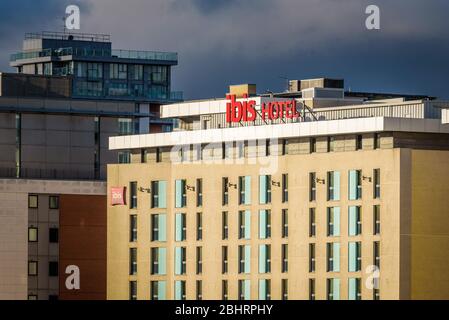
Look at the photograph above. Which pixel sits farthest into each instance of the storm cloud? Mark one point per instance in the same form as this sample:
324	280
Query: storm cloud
265	41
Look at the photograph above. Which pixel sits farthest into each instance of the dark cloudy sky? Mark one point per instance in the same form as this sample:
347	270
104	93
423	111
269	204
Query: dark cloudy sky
222	42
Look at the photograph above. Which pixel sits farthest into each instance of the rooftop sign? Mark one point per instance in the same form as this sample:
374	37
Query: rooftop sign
237	111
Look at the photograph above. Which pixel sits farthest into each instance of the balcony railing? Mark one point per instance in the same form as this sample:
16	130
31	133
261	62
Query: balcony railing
96	53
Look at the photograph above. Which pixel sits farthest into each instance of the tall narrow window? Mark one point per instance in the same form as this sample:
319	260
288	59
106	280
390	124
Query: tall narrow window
159	194
264	189
284	188
158	261
199	260
311	257
333	257
333	186
264	289
311	289
225	191
355	184
267	148
284	147
244	259
224	257
133	261
224	289
333	289
312	186
354	289
158	155
159	227
199	226
180	260
180	193
376	184
199	290
376	254
133	228
284	289
245	224
359	142
312	222
133	195
264	258
312	145
180	227
333	221
376	219
158	290
32	234
33	201
32	268
199	192
133	290
330	144
354	220
224	228
264	224
180	290
53	202
244	289
284	258
354	256
284	223
245	190
376	141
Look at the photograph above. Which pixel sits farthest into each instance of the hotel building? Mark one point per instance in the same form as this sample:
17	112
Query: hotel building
70	94
347	201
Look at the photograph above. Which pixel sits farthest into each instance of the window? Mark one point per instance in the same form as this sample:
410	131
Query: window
180	260
245	190
32	268
312	186
133	261
312	145
199	192
244	290
225	228
199	226
245	224
359	142
355	184
354	289
333	186
333	221
124	157
264	289
159	194
143	155
376	294
267	147
133	195
376	254
32	234
33	201
284	289
158	261
284	188
376	219
284	223
180	290
224	258
137	71
333	289
53	269
158	155
199	260
264	189
224	289
311	289
180	227
312	223
118	71
241	145
376	141
264	224
244	258
53	202
284	262
284	147
133	228
333	257
199	290
354	256
264	258
125	126
330	144
32	297
354	220
158	227
311	257
376	184
158	290
225	191
53	235
180	193
133	290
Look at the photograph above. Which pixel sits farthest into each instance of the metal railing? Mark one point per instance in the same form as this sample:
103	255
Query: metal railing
96	53
54	35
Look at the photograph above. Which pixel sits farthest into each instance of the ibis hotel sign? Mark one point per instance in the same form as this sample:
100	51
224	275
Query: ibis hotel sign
118	196
237	111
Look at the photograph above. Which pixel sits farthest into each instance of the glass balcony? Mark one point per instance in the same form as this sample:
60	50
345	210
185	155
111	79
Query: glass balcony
84	52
